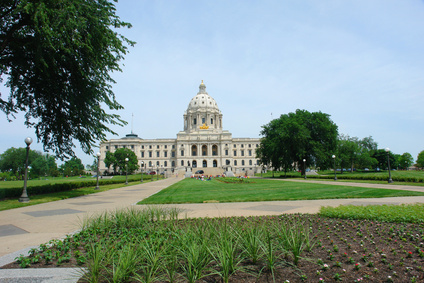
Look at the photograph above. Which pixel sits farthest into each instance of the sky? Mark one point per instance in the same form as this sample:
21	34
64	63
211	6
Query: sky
360	61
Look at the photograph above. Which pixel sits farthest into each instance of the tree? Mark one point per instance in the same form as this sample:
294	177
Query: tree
296	136
420	159
13	160
57	57
44	165
381	156
110	160
367	147
120	154
72	167
405	160
347	151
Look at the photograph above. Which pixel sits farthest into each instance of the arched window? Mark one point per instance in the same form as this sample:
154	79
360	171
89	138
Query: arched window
194	163
150	163
173	163
214	150
204	150
205	163
165	163
215	163
194	150
182	162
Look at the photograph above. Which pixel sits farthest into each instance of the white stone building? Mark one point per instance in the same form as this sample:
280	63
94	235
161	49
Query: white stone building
202	145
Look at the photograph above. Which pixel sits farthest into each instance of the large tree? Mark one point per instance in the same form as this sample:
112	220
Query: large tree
420	159
13	160
296	136
57	57
405	160
347	151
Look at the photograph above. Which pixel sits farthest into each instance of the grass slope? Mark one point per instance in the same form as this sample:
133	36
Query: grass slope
196	191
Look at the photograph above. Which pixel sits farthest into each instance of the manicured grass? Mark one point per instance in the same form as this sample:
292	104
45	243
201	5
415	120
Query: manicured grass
37	199
196	191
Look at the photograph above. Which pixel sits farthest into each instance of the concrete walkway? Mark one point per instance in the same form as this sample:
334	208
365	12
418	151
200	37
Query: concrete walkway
27	227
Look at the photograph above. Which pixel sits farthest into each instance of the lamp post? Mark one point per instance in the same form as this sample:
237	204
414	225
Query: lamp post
304	167
98	171
142	164
126	171
388	164
157	172
151	173
24	197
335	176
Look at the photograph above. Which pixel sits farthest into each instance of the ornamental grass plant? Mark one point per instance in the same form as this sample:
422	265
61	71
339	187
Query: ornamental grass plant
153	245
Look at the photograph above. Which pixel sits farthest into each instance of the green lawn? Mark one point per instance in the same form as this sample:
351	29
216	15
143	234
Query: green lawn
196	191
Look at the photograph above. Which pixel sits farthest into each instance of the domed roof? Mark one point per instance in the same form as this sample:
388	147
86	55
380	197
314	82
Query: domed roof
202	100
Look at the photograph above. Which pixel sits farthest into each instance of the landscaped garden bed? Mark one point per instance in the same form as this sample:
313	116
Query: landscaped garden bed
154	245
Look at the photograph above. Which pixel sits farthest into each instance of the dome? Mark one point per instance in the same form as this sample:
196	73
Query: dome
202	101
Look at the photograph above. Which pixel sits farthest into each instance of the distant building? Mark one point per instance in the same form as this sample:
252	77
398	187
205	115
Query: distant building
202	145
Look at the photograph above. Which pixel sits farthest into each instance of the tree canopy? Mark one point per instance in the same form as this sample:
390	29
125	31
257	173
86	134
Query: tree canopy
420	159
117	160
57	57
296	136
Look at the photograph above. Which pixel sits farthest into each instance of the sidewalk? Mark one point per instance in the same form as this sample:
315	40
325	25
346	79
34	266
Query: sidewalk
23	228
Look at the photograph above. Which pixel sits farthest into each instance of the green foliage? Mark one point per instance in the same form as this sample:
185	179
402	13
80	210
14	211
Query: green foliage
412	213
57	57
72	167
405	161
297	136
13	160
420	159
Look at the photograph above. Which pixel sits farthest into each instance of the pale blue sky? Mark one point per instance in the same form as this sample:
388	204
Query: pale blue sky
362	62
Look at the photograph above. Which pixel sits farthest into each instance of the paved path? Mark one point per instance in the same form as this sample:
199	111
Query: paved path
23	228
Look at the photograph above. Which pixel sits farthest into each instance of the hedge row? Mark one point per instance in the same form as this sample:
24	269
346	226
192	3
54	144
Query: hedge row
59	187
362	177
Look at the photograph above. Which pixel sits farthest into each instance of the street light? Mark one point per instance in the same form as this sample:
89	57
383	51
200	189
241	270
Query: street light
157	172
24	197
142	164
98	171
304	167
126	172
335	176
388	163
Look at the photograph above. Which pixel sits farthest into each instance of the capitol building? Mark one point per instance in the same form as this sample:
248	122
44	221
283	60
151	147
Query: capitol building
202	145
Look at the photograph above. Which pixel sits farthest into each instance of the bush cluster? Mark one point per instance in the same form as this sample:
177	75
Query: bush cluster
362	177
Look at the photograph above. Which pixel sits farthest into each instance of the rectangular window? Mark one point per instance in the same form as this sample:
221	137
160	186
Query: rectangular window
107	147
157	154
234	146
173	146
142	147
242	145
235	162
132	147
150	154
242	153
250	145
166	146
157	146
116	147
182	152
242	162
250	152
173	154
203	120
235	153
194	121
165	154
250	162
142	154
150	146
182	162
226	152
211	121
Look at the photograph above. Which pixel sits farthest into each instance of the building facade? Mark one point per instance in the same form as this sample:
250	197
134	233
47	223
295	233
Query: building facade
202	145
